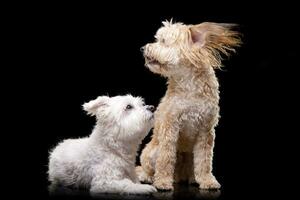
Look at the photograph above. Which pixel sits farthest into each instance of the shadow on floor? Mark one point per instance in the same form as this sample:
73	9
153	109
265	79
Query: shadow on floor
180	192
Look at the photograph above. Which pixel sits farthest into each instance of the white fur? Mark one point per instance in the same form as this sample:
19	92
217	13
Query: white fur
104	162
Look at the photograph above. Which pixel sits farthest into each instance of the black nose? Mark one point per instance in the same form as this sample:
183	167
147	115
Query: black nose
150	108
142	48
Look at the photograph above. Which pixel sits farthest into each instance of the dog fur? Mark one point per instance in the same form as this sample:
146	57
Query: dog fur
183	138
104	162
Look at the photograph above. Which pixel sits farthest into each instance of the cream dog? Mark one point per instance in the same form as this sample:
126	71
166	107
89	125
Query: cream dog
187	115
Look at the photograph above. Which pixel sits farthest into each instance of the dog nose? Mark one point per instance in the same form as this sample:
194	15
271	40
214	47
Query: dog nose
151	108
142	48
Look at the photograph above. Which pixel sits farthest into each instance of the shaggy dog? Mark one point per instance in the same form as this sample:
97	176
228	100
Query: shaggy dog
182	143
104	162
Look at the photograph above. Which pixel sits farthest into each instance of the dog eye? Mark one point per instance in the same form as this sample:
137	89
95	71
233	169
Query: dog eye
129	107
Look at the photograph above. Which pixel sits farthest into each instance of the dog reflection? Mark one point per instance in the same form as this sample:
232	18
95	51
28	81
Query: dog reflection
180	192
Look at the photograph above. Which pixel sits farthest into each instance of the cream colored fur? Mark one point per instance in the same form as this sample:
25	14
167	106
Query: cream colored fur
182	143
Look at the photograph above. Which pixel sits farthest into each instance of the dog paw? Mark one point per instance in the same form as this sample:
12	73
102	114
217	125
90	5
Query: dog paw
142	175
210	183
144	189
163	185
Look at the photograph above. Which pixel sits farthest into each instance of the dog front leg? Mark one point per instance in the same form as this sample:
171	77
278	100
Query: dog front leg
166	160
124	186
203	154
145	172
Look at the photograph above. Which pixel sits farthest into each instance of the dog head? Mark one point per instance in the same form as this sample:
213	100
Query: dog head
198	46
124	116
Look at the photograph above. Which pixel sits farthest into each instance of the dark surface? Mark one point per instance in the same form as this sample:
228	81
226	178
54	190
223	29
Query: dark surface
65	55
181	191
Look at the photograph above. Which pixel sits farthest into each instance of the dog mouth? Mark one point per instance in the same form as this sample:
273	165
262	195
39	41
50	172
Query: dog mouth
151	61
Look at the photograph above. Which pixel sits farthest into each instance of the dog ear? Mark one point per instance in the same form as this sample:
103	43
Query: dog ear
209	39
198	34
215	35
92	106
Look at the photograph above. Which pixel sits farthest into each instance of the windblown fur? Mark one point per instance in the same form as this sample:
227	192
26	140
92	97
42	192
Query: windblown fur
182	143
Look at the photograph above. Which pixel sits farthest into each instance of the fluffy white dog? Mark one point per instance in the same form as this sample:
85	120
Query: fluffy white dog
104	162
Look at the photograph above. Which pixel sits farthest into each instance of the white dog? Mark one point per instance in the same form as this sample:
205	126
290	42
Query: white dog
104	162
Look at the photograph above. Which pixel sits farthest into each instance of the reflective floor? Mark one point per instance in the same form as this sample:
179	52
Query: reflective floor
180	192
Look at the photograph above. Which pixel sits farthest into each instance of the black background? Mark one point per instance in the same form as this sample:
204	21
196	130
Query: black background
70	54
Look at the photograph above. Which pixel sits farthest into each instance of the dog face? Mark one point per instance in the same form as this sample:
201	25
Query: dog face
198	46
126	116
164	55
